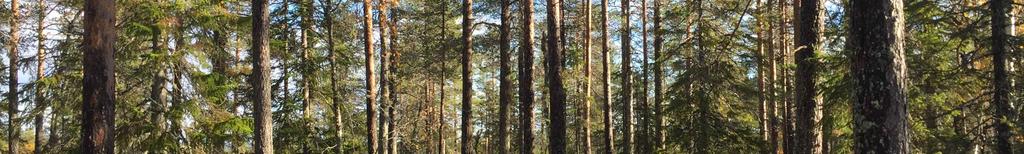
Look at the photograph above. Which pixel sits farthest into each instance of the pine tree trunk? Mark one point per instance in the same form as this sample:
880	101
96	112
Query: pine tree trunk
467	81
1000	83
553	77
98	82
13	122
505	85
879	107
809	36
645	108
371	84
609	127
588	97
526	80
40	104
627	77
659	123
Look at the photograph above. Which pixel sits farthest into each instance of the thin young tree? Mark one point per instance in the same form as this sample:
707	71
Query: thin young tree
371	83
588	97
659	135
609	128
40	68
627	77
553	77
810	26
467	81
13	126
645	108
526	80
260	79
879	106
98	77
1000	83
505	85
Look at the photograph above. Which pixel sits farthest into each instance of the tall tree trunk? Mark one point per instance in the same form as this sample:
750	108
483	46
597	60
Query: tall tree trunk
505	87
13	122
609	128
526	81
385	73
260	79
444	77
305	11
392	84
879	107
98	81
1000	83
553	77
371	83
627	77
645	108
467	81
659	135
336	101
810	28
40	70
588	97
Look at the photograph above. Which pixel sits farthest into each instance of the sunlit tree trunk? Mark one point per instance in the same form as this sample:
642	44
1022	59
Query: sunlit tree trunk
98	81
880	106
40	104
609	127
305	7
13	120
371	83
526	80
588	97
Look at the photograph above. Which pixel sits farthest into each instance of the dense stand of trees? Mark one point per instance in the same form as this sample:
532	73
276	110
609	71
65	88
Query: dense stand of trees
365	76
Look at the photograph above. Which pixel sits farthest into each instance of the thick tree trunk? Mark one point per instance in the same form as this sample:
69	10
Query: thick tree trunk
505	85
553	77
627	77
880	107
371	83
260	80
810	28
526	80
588	97
609	128
467	81
13	122
98	95
1000	83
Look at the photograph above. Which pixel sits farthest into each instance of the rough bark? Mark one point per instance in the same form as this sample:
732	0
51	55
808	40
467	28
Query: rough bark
810	24
371	83
1000	82
609	128
505	85
879	107
553	62
467	81
40	104
98	81
526	80
13	122
627	75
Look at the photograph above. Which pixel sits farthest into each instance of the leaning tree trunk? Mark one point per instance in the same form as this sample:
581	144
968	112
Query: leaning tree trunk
627	77
13	124
553	77
526	81
467	81
609	128
810	24
371	83
505	86
879	107
1000	84
98	80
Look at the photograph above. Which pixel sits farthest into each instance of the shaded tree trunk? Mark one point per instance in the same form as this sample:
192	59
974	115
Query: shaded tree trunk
40	103
609	127
13	122
626	72
879	107
98	81
659	123
505	85
553	78
810	28
1000	82
467	81
645	108
526	80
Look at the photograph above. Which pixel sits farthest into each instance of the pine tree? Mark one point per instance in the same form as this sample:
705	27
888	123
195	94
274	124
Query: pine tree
880	106
98	82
